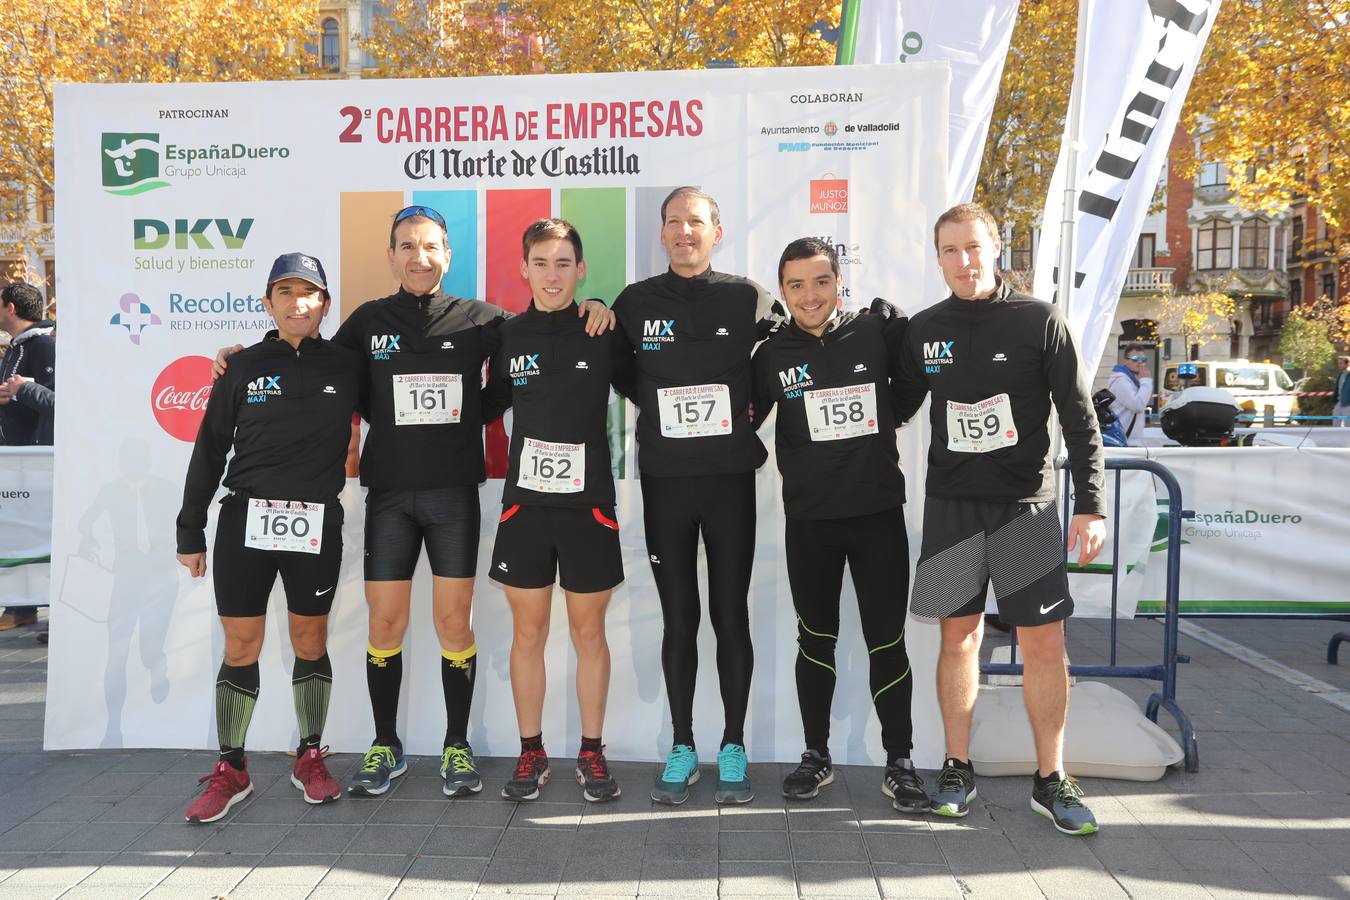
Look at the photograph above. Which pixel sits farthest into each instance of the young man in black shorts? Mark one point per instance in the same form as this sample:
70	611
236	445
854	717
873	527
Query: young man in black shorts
557	522
994	361
831	377
285	409
421	355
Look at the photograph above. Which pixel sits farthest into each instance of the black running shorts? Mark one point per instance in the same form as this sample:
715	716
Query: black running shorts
399	522
577	547
244	576
968	545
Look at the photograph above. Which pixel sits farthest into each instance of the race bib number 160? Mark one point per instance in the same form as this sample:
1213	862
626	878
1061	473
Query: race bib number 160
284	525
695	411
980	427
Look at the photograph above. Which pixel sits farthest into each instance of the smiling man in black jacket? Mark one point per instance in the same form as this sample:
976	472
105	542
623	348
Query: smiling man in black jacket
832	376
284	408
995	360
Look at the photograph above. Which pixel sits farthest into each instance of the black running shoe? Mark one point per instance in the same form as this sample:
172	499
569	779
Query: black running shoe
805	781
1060	800
955	789
597	785
532	773
904	786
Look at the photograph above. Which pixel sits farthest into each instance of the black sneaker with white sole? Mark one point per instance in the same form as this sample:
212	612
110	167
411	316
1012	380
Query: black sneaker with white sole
805	781
904	786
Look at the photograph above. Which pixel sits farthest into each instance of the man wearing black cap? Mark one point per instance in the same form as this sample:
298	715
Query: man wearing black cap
285	408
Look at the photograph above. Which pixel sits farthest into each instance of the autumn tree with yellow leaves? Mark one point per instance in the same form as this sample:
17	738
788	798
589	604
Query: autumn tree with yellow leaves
44	43
417	38
1270	101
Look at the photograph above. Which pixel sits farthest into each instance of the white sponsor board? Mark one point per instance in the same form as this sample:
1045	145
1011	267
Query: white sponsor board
188	213
25	524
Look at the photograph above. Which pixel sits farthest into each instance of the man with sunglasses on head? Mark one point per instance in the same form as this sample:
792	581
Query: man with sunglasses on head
1132	385
422	354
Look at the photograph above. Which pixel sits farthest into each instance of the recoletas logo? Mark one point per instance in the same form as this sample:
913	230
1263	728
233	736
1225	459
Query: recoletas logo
135	317
131	163
178	397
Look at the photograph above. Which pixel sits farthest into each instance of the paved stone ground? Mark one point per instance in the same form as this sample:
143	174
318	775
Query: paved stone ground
1268	815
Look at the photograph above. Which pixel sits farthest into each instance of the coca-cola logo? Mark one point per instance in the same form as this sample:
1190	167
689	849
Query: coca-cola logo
178	398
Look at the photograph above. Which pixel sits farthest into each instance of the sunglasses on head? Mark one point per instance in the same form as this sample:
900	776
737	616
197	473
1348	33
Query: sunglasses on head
425	211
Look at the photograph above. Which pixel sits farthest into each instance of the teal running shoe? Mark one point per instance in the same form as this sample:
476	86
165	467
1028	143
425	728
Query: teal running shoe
733	784
681	770
1060	799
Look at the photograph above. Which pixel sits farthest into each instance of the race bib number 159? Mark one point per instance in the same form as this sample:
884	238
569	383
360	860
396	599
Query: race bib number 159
980	427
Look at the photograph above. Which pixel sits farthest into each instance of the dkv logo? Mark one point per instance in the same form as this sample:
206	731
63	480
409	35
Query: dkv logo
178	398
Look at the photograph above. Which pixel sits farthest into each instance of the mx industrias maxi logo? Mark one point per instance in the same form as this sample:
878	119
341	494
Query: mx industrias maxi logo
131	163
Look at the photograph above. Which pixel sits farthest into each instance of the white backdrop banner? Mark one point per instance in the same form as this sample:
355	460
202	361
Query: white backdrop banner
1138	64
25	525
189	191
973	37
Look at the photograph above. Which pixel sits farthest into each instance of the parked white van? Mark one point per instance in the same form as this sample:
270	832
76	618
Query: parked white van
1259	388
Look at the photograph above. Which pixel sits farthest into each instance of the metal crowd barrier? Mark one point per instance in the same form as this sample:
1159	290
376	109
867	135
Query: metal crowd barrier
1165	671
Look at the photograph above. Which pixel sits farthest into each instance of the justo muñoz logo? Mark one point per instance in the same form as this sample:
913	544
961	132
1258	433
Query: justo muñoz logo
179	396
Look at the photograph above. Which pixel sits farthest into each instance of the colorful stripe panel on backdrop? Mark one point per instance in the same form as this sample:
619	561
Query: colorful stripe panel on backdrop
460	209
601	216
363	268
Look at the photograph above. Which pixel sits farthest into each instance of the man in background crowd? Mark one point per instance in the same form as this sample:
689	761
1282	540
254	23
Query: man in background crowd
1132	384
25	420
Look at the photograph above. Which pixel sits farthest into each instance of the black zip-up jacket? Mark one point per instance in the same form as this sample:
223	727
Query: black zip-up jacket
693	331
405	334
966	351
287	413
557	378
847	477
32	354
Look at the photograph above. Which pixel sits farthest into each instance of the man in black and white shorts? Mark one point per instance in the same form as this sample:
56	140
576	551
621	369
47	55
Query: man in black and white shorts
994	360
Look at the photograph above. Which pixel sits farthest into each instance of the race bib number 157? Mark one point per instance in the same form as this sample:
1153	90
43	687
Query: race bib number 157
699	410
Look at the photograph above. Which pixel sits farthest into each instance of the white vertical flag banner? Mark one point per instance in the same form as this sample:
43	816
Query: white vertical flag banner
1138	60
972	36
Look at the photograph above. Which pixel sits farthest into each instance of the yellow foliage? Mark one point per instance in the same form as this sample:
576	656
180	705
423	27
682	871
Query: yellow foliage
1198	317
1273	92
47	42
460	37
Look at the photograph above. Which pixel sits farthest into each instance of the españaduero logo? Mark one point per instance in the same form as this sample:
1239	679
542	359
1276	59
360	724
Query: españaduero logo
136	162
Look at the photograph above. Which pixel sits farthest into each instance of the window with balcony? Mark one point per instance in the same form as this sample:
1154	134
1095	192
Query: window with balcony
1254	244
331	53
1212	174
1214	246
1146	253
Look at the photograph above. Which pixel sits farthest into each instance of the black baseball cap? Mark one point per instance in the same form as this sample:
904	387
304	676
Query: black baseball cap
298	265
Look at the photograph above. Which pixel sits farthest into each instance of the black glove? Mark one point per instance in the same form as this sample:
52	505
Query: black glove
885	309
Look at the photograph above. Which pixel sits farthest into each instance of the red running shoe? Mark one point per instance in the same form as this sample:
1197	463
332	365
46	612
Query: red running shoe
311	776
593	776
225	787
532	773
